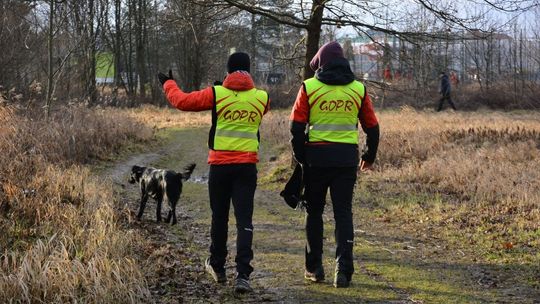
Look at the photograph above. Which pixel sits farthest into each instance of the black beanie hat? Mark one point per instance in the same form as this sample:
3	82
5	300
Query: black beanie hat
238	62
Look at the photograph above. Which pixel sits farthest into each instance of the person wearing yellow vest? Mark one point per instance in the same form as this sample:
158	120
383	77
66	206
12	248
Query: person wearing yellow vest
324	128
237	110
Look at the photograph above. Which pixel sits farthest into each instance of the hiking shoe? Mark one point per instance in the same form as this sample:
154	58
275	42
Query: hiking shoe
219	277
341	280
316	276
241	284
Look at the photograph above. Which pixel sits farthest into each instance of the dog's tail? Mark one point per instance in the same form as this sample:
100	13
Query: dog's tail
186	173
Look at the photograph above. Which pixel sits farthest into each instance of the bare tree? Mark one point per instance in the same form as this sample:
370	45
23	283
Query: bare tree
43	41
312	16
19	42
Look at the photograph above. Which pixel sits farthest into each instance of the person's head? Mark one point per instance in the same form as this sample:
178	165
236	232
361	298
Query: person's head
442	73
238	62
326	53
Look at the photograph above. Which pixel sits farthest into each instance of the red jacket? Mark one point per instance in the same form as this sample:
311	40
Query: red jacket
204	100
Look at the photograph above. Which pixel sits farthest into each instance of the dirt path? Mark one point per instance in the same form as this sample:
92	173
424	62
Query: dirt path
174	272
176	254
392	265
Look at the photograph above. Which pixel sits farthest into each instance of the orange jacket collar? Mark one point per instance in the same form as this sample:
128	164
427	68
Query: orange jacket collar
239	81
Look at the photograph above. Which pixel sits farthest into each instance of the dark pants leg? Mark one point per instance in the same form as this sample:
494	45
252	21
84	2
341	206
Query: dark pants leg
441	102
451	103
317	181
243	192
236	182
341	192
440	106
220	191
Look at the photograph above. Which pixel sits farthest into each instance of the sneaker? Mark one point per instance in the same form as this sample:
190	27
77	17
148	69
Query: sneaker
341	280
241	284
317	276
219	277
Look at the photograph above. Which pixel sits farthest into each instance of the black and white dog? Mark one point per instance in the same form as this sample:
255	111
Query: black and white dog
160	184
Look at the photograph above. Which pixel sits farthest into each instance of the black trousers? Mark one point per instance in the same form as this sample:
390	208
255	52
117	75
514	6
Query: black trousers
340	181
441	102
236	182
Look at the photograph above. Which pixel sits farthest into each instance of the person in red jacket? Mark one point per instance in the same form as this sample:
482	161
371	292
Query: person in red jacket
331	104
237	110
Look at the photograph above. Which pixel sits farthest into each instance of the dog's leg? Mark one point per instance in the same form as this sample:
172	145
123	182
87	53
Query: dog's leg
170	213
144	199
173	211
158	208
171	218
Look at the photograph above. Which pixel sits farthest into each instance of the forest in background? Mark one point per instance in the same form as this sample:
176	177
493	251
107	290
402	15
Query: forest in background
450	213
108	52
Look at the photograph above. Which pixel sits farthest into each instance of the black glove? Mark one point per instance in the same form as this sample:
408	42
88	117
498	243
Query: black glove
293	193
163	78
298	140
372	143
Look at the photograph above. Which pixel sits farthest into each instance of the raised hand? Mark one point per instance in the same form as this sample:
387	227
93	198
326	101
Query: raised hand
163	78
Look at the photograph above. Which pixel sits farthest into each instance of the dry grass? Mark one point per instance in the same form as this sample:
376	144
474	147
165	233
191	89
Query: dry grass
486	168
445	149
484	165
156	117
61	240
275	128
482	157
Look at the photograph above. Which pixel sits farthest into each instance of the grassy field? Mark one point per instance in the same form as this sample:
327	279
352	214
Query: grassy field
454	199
62	238
450	215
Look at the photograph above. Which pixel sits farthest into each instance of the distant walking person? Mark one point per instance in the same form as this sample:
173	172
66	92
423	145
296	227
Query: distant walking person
444	90
330	105
237	111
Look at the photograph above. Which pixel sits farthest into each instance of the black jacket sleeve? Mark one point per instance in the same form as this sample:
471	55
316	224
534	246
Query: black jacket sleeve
372	143
298	140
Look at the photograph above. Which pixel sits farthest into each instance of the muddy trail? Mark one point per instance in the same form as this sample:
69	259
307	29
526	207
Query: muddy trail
176	253
391	265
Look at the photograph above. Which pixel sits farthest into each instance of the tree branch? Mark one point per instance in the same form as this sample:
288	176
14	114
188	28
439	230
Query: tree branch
271	14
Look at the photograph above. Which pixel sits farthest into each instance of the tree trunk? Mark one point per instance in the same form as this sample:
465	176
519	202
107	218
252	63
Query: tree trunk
129	49
91	59
140	37
253	46
117	42
313	35
50	37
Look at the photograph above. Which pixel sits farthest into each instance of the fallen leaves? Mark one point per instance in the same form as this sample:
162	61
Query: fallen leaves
508	245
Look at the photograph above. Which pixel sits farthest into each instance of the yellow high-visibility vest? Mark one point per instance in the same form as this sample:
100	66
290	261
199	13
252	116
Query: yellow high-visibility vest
238	117
333	114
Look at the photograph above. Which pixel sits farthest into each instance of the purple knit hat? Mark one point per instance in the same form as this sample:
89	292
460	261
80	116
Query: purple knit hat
326	53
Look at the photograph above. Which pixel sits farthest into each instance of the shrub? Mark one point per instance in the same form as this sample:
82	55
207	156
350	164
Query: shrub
61	239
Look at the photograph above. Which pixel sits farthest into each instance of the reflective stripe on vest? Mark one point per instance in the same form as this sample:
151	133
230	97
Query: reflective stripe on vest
333	113
239	115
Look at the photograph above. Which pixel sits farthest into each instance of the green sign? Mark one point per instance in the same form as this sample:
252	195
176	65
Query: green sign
104	65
